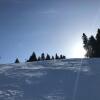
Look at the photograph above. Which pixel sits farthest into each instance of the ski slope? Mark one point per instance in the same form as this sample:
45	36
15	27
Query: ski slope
70	79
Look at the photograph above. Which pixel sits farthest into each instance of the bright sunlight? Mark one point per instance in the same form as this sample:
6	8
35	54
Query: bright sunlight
78	51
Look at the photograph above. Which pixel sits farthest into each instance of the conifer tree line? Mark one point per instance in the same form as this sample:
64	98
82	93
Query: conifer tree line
42	57
92	45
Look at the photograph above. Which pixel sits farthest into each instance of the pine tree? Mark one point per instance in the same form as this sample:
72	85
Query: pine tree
52	58
39	58
85	41
56	56
92	45
17	60
48	57
98	35
98	43
42	56
61	56
32	57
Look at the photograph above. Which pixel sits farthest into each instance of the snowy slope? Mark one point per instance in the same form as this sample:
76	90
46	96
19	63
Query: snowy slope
71	79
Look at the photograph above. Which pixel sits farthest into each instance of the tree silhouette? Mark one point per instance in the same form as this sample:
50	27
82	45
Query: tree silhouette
32	57
56	56
98	43
17	60
92	45
98	36
48	57
85	41
39	58
42	56
52	58
63	57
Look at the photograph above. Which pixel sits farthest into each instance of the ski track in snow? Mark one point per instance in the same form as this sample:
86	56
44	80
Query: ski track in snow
50	80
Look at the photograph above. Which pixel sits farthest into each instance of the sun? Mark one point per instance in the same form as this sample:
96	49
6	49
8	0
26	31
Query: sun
78	51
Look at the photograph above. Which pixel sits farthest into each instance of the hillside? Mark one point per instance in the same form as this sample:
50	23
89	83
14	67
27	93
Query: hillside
71	79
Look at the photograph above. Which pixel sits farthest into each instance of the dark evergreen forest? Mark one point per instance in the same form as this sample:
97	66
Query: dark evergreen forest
92	45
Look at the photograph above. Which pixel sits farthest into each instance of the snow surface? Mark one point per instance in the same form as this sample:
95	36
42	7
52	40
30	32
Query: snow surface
51	80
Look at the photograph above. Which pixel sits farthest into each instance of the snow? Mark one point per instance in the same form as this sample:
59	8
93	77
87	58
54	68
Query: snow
51	80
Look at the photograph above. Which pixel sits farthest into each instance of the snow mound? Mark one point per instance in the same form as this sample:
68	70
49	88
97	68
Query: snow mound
50	80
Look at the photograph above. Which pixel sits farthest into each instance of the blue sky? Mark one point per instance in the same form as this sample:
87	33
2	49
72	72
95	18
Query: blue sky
48	26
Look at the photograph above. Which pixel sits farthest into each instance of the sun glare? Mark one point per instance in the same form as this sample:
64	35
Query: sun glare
78	51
